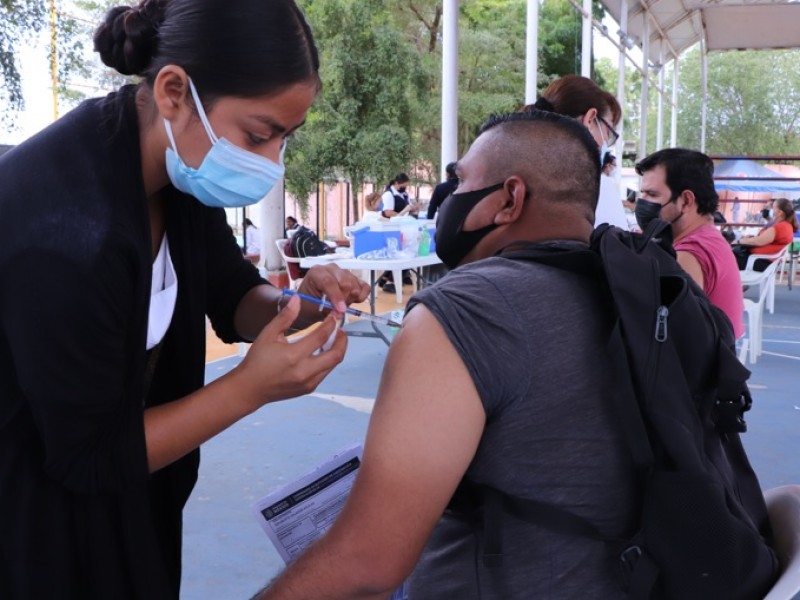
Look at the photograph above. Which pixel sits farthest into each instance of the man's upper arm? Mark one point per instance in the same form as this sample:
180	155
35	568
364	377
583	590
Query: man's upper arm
691	265
425	428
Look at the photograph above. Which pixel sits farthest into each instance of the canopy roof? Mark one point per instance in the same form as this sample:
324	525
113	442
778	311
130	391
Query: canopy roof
763	179
727	24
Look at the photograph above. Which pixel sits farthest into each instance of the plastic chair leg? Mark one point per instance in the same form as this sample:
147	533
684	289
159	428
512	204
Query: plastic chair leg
743	350
771	296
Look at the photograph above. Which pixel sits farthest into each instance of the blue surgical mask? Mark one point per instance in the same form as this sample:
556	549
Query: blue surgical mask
604	145
229	176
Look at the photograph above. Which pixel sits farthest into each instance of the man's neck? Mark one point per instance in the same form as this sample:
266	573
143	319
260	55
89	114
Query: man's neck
692	222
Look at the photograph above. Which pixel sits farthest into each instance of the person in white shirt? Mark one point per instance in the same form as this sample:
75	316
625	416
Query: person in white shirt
252	240
395	199
372	208
395	203
609	205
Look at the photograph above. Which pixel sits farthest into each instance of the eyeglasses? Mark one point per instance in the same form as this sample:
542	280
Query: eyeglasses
613	136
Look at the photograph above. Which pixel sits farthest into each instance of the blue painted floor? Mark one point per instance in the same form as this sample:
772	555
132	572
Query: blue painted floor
227	555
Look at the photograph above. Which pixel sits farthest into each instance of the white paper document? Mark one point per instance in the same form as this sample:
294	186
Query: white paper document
301	511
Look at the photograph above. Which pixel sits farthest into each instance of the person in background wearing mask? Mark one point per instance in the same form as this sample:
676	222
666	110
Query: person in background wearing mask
772	238
443	190
395	198
609	165
768	213
395	203
371	208
291	223
104	303
495	401
581	98
678	187
609	190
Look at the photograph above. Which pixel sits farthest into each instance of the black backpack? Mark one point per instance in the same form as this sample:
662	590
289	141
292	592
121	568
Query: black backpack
703	531
306	243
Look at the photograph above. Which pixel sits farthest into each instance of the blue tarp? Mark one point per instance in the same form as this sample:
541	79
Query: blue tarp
750	168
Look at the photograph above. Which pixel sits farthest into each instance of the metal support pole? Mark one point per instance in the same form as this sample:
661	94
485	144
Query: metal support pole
704	105
660	110
532	52
645	87
449	83
673	133
623	19
586	39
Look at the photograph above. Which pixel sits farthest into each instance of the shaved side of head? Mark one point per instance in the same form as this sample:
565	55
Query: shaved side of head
555	155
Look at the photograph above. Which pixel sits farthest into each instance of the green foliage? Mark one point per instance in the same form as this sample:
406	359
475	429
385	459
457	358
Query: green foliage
753	102
361	126
492	66
20	22
559	40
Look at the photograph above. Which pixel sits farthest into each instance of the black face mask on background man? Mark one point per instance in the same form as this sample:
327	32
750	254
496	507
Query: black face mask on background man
646	212
452	243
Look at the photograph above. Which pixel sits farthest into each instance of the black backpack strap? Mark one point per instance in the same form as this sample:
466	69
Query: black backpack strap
485	505
493	501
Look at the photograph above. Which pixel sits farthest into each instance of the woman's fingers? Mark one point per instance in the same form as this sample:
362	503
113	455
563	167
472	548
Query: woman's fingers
340	287
276	368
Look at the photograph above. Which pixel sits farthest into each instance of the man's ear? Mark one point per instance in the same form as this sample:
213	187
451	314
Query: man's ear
515	195
689	199
170	91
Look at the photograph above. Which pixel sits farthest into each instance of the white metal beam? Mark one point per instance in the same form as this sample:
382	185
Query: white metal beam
623	6
660	109
704	106
673	130
531	51
643	110
586	39
449	83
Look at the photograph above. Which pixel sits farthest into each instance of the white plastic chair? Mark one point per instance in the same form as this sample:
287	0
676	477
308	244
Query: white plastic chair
281	244
779	260
783	505
787	264
754	309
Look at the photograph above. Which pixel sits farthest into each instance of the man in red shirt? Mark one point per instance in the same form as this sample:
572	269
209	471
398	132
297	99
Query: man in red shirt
678	187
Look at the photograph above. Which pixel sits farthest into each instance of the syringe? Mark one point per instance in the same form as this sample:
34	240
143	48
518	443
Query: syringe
350	311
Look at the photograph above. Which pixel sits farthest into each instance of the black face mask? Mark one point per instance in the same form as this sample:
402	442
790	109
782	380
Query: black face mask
646	212
453	244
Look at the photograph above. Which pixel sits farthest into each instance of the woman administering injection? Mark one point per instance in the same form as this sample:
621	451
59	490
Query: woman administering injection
103	303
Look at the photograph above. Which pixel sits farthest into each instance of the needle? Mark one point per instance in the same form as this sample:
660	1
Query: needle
350	311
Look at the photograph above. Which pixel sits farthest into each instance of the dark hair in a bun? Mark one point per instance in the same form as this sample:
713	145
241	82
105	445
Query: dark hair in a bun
239	48
127	40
